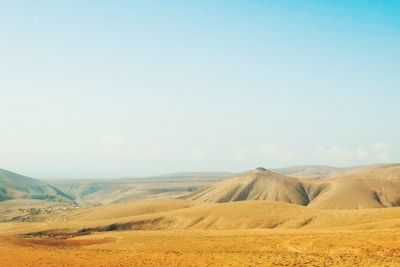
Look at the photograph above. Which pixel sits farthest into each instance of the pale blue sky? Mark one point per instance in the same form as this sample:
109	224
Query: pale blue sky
131	88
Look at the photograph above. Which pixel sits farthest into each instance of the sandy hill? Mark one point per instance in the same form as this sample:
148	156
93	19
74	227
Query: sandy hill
15	186
262	184
369	187
375	172
132	189
309	171
375	186
181	214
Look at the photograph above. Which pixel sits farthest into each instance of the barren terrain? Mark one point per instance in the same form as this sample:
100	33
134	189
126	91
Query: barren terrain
208	248
258	218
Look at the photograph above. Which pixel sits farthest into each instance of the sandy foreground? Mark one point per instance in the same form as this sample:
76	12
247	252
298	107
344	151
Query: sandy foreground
207	248
183	233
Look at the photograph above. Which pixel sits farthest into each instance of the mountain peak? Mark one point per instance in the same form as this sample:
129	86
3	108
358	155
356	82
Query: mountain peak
263	171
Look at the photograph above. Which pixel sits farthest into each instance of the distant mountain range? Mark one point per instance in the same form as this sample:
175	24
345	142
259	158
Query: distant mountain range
373	186
130	189
309	171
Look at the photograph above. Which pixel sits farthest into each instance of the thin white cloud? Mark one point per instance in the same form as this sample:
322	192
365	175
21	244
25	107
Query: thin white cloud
152	153
280	152
334	153
362	153
273	153
378	151
242	153
198	153
112	141
382	151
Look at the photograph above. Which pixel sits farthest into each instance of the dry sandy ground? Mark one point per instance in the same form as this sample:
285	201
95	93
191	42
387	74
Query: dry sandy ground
184	233
208	248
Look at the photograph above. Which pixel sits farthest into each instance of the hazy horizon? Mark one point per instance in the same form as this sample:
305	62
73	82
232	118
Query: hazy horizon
114	89
234	172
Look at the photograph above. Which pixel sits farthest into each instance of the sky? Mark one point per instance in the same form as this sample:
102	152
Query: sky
134	88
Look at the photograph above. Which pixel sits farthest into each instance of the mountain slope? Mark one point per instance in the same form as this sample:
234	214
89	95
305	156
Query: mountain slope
375	186
308	171
378	172
184	214
260	184
132	189
15	186
369	187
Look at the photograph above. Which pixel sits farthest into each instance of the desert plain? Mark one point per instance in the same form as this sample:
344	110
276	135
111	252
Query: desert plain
346	217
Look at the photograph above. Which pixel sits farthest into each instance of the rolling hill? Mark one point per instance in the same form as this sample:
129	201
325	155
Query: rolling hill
370	187
196	234
262	184
132	189
298	221
259	184
15	186
374	186
179	214
375	172
309	171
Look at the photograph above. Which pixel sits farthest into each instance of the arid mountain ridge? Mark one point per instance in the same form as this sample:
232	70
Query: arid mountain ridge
373	186
367	187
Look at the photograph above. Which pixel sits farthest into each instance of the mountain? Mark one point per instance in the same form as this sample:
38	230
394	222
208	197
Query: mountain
368	187
377	171
15	186
374	186
132	189
260	184
309	171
